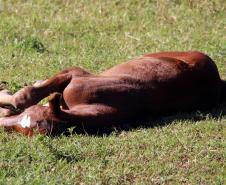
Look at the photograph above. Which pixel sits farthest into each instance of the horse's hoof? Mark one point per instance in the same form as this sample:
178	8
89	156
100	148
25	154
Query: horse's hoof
6	112
3	84
4	95
5	91
39	83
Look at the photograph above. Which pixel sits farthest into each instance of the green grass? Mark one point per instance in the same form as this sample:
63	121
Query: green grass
40	37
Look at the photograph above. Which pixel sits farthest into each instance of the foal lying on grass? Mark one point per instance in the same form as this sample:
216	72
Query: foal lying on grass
152	84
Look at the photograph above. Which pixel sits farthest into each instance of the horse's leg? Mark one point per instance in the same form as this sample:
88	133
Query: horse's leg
91	118
5	97
31	95
6	112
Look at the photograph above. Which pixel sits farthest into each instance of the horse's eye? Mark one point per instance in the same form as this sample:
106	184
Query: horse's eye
39	123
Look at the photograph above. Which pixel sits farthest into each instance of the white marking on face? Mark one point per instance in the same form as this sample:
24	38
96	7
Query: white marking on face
26	121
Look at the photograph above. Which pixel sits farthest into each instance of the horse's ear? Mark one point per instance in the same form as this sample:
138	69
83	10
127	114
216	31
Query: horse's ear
54	102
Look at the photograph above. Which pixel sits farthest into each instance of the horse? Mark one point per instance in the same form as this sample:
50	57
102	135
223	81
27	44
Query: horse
152	84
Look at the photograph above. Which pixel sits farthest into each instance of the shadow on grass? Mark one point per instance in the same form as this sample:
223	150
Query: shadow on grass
157	121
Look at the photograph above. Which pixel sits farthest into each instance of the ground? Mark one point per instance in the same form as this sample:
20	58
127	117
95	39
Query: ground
41	37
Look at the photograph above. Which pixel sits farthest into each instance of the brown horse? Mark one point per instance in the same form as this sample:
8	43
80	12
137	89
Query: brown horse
152	84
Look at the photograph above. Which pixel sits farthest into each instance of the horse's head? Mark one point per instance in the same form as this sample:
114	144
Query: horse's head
37	118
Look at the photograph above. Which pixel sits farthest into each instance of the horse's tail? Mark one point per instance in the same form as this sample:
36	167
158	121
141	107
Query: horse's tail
223	91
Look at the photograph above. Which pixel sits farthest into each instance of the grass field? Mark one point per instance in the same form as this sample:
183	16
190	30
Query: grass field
41	37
